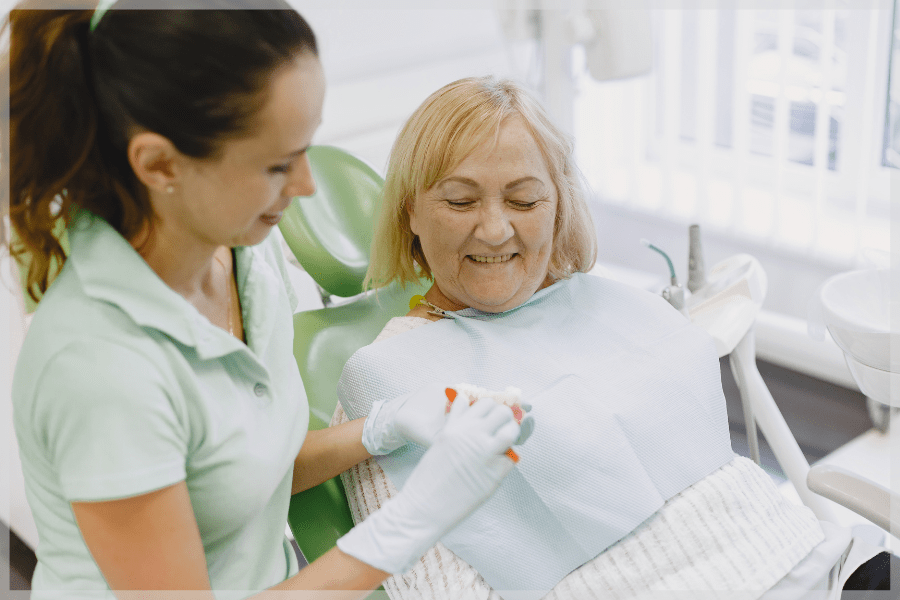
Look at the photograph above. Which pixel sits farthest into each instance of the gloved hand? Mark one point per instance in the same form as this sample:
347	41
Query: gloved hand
463	467
416	417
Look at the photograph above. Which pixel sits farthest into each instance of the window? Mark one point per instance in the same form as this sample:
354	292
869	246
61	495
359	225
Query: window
761	123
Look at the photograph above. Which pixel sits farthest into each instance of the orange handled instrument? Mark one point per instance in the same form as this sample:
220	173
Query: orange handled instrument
517	414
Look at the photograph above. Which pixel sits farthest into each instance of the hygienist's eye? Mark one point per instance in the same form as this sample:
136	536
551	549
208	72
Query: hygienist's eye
280	169
523	205
460	203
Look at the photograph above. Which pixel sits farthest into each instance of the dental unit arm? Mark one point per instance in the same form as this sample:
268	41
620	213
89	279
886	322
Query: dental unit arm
673	293
726	306
860	494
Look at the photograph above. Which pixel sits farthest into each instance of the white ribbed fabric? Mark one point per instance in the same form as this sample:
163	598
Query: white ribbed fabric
731	532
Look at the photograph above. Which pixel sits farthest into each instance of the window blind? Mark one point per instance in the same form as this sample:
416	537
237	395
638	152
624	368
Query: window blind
760	123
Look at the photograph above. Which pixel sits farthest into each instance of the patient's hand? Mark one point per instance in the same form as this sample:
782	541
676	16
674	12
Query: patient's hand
416	417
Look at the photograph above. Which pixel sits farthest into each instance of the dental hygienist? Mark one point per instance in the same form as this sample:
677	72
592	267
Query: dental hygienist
159	411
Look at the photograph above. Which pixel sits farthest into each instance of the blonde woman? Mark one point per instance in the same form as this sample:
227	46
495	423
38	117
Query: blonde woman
482	196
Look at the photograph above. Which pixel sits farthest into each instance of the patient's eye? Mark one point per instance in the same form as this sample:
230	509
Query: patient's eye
526	201
460	202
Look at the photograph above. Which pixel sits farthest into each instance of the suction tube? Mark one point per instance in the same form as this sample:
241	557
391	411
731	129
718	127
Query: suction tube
674	293
647	243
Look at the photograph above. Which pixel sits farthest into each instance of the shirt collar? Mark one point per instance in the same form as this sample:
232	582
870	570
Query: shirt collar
111	270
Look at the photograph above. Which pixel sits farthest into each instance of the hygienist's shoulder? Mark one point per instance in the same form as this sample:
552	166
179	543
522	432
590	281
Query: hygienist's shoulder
68	321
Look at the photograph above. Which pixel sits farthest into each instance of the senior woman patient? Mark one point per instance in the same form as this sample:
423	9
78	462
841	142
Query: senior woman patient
628	483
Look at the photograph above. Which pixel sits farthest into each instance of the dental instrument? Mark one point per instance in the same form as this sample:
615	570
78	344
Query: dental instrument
696	275
517	414
674	293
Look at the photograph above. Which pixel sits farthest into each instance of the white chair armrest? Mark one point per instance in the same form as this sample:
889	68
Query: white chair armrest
861	495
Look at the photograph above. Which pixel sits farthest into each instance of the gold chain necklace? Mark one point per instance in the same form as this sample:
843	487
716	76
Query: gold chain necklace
436	311
230	293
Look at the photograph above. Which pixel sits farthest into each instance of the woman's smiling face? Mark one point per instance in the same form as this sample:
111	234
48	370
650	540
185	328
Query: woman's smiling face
486	229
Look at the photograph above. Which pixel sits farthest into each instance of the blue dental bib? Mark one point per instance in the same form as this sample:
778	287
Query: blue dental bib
628	408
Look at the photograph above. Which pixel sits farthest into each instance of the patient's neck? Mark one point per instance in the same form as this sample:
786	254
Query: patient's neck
436	297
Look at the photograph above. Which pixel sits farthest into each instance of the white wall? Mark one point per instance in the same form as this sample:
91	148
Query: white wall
381	64
13	505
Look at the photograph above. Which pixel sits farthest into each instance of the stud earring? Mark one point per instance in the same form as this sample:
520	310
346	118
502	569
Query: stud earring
170	189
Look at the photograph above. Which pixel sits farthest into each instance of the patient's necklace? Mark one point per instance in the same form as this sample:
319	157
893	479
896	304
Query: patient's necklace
419	299
229	291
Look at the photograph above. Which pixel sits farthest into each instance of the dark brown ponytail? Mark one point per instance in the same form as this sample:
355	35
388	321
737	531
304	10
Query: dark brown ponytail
52	132
196	77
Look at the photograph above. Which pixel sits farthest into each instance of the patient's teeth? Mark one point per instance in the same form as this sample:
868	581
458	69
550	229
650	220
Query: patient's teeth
491	259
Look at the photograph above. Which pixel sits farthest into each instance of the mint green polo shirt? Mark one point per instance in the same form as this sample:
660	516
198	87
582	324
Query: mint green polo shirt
122	387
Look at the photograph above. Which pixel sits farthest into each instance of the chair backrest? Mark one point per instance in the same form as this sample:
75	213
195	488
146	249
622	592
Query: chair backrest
323	341
330	232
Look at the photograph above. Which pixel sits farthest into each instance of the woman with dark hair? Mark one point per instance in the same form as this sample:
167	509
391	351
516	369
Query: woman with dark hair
159	411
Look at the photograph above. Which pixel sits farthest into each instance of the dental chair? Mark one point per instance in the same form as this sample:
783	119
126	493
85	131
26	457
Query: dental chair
329	233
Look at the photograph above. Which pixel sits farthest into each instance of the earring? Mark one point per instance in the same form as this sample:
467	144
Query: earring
170	189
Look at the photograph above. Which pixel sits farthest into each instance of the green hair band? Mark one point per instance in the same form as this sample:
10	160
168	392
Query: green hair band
102	7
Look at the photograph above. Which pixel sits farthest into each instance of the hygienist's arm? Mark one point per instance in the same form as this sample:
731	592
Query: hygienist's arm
328	452
354	576
152	542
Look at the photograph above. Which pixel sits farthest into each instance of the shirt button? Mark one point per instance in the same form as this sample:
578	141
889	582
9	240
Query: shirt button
259	389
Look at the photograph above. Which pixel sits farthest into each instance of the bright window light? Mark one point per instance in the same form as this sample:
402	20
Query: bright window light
777	139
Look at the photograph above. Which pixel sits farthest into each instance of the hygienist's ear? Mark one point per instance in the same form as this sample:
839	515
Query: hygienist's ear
154	160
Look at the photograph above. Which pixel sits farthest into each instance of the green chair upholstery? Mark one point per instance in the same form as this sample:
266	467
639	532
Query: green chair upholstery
330	234
323	341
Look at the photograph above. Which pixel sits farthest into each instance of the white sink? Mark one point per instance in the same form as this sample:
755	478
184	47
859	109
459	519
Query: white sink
856	309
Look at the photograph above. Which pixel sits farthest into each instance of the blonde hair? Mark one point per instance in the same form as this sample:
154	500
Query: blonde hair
446	128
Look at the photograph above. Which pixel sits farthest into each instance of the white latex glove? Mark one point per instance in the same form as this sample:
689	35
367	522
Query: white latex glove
416	417
463	467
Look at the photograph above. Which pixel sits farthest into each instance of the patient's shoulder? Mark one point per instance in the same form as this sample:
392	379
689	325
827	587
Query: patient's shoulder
629	305
399	325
